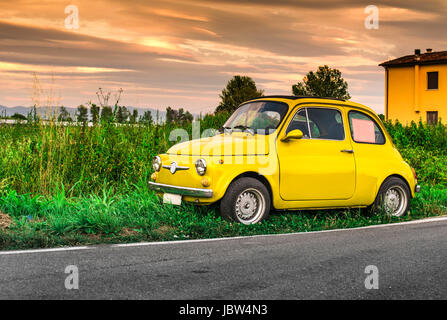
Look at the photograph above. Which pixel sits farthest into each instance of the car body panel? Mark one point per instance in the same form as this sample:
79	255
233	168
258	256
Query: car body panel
237	144
320	165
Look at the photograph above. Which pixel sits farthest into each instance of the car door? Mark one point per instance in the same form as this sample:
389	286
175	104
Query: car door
321	165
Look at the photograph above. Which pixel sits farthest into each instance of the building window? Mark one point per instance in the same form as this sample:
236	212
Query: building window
432	117
432	80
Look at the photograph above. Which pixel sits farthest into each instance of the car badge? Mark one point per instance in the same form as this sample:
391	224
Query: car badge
173	168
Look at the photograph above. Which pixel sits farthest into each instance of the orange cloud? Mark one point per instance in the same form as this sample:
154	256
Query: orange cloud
183	53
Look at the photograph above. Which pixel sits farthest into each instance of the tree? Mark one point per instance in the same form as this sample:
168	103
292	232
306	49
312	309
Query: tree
188	117
122	114
238	90
106	114
134	116
82	114
184	117
18	116
64	115
146	118
94	111
171	115
178	116
326	82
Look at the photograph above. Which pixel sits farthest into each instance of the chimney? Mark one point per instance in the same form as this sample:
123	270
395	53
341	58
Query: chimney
417	52
429	50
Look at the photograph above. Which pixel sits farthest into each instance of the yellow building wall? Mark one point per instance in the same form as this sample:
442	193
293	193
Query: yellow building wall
404	101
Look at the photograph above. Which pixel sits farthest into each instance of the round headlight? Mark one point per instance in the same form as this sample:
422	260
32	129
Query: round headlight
156	163
201	166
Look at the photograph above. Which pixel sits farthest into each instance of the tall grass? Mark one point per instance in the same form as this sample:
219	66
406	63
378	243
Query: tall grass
38	159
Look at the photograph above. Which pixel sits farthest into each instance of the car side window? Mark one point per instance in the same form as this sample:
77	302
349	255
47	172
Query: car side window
326	124
364	129
323	123
299	122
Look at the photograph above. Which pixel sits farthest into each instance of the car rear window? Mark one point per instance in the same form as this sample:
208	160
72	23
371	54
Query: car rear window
364	129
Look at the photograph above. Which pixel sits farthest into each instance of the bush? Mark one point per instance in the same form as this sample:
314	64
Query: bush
424	147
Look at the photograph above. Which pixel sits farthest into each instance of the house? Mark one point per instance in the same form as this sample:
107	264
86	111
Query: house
416	87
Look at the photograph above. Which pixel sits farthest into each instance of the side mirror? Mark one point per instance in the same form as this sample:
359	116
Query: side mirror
293	135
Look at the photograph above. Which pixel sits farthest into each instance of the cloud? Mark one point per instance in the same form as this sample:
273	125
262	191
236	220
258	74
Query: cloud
181	54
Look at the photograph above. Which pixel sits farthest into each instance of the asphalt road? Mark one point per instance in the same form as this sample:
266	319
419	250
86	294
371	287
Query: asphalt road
411	260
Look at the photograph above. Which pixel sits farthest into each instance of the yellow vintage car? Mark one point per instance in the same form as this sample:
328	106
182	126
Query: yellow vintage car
289	153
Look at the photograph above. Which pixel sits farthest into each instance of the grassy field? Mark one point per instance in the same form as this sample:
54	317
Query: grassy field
77	185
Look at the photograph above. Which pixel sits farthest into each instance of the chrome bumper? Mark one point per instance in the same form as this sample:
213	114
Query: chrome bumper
184	191
417	188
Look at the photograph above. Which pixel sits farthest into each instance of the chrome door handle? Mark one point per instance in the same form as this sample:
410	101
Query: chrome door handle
347	150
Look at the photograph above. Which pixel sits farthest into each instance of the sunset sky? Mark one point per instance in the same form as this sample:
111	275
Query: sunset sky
182	53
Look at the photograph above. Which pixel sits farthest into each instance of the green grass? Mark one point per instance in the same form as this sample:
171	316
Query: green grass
137	215
38	158
80	185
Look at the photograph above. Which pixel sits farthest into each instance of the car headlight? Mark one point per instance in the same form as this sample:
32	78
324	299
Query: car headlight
201	166
156	163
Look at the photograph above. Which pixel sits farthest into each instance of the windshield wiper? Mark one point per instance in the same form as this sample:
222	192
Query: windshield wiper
245	128
224	129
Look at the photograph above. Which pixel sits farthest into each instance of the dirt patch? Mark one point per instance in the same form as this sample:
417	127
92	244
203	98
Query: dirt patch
163	230
128	232
94	237
5	221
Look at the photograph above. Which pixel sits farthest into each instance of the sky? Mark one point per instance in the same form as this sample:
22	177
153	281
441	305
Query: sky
182	53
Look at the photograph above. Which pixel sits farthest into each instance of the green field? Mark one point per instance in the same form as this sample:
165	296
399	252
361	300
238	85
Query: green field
69	185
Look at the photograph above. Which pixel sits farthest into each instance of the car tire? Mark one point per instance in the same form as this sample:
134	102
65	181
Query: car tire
393	197
247	201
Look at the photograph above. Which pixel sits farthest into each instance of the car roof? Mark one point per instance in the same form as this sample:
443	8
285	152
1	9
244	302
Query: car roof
285	98
297	97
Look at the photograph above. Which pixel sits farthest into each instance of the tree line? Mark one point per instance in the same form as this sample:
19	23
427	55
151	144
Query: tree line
325	82
119	114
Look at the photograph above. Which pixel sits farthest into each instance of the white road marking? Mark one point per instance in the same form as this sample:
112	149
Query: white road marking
139	244
46	250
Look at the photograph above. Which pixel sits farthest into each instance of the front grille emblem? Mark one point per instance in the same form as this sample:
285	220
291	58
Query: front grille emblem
173	167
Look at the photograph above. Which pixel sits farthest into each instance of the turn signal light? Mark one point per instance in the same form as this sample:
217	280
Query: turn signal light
414	174
205	182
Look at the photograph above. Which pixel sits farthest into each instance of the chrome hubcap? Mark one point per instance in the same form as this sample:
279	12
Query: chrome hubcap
250	205
395	201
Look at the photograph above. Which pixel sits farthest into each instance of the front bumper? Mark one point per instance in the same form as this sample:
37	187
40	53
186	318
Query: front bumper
417	188
184	191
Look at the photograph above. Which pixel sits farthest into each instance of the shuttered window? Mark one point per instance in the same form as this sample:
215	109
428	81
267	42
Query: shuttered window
432	80
432	117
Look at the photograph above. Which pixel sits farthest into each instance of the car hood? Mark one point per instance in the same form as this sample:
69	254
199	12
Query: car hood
236	144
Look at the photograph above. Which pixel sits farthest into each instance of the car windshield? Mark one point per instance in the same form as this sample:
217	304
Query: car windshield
262	117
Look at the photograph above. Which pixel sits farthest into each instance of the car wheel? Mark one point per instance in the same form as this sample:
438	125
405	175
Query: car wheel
393	197
247	201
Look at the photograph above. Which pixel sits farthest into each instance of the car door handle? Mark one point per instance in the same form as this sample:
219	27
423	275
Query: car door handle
347	150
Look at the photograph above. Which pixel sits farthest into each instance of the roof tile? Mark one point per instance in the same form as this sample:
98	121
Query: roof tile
424	58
